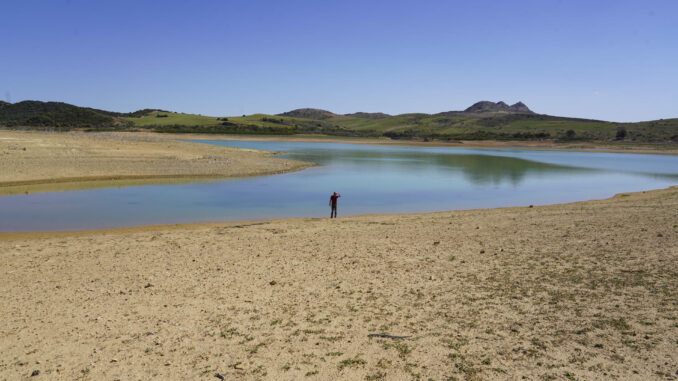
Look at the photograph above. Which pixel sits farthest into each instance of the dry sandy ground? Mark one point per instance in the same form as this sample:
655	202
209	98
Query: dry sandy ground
579	291
38	161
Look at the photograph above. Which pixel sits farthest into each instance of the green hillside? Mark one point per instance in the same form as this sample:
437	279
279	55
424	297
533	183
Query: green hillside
482	121
53	114
163	118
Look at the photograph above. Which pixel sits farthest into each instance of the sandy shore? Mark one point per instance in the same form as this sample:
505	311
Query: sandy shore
41	161
579	291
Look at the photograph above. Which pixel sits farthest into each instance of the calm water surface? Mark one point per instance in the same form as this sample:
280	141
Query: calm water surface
371	179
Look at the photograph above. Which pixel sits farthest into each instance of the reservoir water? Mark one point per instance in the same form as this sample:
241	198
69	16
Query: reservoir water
370	178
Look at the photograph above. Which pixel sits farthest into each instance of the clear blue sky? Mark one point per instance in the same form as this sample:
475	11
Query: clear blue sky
605	59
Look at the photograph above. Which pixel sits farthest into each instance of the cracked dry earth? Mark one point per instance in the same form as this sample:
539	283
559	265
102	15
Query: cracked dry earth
579	291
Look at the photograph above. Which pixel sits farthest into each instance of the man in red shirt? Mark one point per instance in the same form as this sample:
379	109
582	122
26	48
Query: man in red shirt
333	204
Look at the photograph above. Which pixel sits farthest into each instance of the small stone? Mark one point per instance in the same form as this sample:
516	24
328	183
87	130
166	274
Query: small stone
436	243
482	251
148	285
168	363
660	235
219	376
272	283
114	360
35	372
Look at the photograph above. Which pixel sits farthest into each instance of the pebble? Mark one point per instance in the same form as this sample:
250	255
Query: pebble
35	373
272	283
482	251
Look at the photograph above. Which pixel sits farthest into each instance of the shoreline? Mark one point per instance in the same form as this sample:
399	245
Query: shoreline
632	148
585	290
4	236
81	182
48	161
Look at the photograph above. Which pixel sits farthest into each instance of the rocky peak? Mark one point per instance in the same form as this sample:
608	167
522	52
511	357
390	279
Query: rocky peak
487	106
520	107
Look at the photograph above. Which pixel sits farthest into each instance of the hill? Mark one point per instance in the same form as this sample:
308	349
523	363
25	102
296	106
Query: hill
61	115
368	115
491	107
309	113
52	114
483	120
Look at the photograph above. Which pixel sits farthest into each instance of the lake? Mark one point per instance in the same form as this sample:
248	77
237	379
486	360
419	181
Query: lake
370	178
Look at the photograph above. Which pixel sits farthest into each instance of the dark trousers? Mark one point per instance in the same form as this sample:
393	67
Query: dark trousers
333	213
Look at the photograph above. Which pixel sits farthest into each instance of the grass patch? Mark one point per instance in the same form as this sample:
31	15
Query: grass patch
351	362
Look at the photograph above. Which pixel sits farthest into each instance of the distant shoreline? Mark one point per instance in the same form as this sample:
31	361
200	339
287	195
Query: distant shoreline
64	161
635	148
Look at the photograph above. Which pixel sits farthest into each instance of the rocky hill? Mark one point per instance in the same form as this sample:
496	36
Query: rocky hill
490	107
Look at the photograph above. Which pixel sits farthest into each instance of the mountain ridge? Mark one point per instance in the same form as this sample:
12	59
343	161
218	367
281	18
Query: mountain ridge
501	106
483	120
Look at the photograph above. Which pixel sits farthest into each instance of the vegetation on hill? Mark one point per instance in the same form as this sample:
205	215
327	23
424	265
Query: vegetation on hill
309	113
482	121
62	115
52	114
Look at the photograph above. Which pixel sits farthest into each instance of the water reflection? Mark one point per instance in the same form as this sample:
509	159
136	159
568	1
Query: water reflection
478	169
371	179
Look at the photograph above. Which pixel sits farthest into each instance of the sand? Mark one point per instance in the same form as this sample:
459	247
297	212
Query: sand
584	291
32	161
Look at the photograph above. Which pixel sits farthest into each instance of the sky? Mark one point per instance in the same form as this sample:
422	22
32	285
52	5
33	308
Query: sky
613	60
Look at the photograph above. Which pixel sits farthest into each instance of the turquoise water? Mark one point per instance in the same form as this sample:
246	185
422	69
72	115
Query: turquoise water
371	179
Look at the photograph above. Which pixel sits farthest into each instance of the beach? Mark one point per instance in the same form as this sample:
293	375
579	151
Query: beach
32	161
587	290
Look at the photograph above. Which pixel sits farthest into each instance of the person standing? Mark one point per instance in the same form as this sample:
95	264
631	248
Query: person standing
333	204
